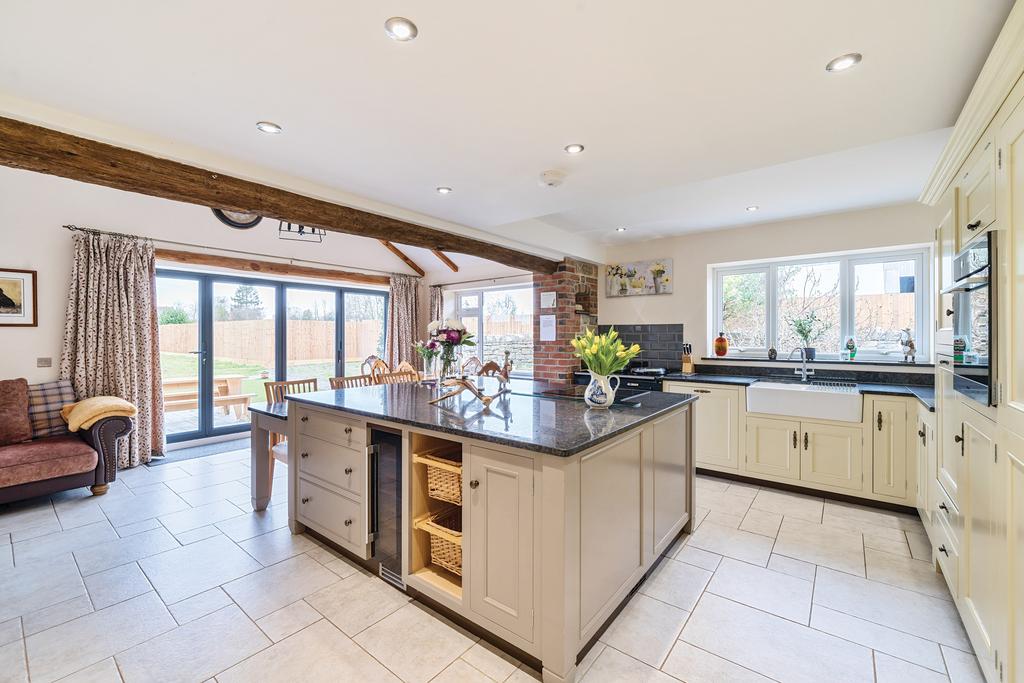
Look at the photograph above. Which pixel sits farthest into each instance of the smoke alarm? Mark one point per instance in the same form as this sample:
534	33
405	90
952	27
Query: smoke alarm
552	178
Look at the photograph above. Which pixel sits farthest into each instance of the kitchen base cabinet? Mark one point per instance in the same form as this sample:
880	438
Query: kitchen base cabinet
832	455
717	431
1012	447
949	453
773	447
889	447
925	449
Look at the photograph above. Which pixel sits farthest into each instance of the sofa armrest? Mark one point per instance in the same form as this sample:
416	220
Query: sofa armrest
103	437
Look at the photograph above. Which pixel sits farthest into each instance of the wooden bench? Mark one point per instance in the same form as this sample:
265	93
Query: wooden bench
237	404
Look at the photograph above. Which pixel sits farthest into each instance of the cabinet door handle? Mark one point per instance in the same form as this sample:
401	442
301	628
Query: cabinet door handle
348	522
304	418
942	506
794	438
958	438
473	484
348	470
303	455
306	500
975	225
879	420
348	430
805	441
943	362
949	311
942	549
702	391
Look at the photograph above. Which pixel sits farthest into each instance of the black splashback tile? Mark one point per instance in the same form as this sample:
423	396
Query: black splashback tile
662	344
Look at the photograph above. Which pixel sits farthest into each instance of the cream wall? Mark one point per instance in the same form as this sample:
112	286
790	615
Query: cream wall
903	224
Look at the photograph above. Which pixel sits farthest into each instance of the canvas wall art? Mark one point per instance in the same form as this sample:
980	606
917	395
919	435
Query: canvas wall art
18	298
639	278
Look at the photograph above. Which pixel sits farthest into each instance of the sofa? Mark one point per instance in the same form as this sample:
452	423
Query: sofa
39	456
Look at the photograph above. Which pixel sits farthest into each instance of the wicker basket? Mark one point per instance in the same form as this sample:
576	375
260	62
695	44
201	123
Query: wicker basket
444	473
445	529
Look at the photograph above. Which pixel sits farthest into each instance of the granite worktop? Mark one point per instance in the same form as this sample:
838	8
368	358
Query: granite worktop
524	418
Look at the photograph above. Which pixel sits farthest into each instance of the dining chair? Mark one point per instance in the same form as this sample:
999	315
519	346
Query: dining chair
406	366
397	377
351	381
275	394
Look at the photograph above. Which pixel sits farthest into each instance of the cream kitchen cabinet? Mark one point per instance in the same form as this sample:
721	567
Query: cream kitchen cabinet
925	449
889	446
1011	446
1011	321
773	447
949	453
717	429
832	455
501	539
977	183
945	242
671	486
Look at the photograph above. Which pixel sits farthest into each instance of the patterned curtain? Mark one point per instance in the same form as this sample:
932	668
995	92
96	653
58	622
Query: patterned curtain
403	305
111	338
436	303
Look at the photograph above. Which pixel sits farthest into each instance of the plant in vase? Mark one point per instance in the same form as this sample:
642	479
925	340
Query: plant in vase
604	355
428	350
450	335
804	329
658	270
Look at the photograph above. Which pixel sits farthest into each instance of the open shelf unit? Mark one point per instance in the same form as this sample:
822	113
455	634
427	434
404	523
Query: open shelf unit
436	515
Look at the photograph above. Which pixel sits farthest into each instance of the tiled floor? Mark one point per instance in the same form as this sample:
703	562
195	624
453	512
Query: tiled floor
171	577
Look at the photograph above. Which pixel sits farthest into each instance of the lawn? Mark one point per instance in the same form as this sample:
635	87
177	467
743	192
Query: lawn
176	365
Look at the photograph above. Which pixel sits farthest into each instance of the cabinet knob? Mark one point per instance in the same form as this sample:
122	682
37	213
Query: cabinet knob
958	438
348	470
949	311
975	225
306	500
348	430
920	433
942	549
473	484
304	418
942	506
303	455
348	522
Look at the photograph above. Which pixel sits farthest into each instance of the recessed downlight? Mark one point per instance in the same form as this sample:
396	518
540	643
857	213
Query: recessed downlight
444	190
400	29
753	207
844	62
268	127
574	148
620	229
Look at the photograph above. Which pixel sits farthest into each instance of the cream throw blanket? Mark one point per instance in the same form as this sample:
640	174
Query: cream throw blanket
85	414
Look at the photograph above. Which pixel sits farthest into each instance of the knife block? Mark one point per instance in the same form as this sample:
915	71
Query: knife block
687	365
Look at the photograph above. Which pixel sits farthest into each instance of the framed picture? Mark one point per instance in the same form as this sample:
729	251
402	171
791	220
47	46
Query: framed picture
18	298
639	278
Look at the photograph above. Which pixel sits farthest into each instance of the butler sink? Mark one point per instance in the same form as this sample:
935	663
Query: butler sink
826	401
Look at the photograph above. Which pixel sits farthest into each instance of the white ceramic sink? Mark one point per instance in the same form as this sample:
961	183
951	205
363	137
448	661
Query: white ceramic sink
805	400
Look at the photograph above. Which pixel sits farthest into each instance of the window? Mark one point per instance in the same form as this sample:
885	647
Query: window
873	298
502	320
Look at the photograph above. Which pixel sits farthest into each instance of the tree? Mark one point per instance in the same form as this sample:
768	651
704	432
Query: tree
174	315
246	304
504	308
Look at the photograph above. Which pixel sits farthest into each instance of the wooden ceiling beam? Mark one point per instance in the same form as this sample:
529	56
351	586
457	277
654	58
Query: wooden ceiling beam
270	267
35	148
445	260
401	254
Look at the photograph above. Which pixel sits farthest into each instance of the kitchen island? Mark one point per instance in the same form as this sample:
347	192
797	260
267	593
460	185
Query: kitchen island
533	518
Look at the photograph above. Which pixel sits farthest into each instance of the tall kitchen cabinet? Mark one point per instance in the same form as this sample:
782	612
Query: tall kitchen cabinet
1011	446
718	430
1010	190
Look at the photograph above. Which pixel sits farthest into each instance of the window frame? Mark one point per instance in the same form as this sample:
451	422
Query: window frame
478	312
921	255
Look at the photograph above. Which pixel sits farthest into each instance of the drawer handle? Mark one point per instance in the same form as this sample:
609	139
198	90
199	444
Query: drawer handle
805	441
794	438
348	522
975	225
348	470
306	500
943	362
304	418
942	506
304	455
473	484
348	430
702	391
942	549
879	420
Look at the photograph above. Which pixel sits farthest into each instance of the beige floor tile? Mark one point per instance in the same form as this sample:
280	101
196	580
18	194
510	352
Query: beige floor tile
343	568
787	565
612	666
255	523
645	629
906	573
706	483
875	516
524	674
724	519
28	533
762	522
589	659
136	527
210	563
54	615
357	602
694	665
6	556
200	605
145	476
742	489
26	515
676	583
723	501
63	542
962	666
199	534
891	670
12	662
775	647
896	643
195	651
211	494
214	475
774	592
740	545
821	545
288	620
317	654
461	672
899	548
795	505
111	554
272	547
79	512
908	611
10	631
140	507
72	646
100	672
117	584
699	515
490	660
920	546
33	586
204	515
698	558
415	643
270	589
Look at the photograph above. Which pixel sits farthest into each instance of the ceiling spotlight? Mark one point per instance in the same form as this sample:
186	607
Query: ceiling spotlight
573	149
444	190
400	29
753	208
844	62
620	230
268	127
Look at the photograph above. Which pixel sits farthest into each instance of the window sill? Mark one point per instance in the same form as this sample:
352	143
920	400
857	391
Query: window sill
818	361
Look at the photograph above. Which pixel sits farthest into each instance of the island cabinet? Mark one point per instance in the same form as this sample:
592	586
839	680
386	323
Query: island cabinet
718	432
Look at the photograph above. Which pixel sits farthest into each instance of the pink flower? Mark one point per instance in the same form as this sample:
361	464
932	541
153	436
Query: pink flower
454	337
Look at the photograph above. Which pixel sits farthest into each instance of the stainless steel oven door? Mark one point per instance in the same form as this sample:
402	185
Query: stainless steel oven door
973	331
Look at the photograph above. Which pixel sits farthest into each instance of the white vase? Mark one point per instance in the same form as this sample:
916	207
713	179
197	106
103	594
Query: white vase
600	393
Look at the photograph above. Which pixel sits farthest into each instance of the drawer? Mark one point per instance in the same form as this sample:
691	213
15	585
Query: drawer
335	429
946	515
337	465
946	554
978	193
331	511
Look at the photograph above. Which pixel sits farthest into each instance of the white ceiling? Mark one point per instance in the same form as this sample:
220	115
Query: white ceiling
689	110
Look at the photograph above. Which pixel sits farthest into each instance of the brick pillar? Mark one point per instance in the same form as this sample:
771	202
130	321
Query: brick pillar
575	284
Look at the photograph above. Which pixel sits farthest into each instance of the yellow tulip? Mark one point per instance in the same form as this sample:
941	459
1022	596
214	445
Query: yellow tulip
621	354
593	349
613	334
635	348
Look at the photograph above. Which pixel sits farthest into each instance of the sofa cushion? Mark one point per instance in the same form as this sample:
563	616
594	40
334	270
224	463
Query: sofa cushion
44	403
56	456
14	423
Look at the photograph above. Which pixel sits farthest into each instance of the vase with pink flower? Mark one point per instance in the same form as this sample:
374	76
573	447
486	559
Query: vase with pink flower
428	350
451	335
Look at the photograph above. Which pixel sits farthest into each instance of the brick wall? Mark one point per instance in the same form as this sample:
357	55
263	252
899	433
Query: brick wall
574	283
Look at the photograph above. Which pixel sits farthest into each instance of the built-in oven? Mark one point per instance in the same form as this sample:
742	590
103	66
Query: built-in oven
974	320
